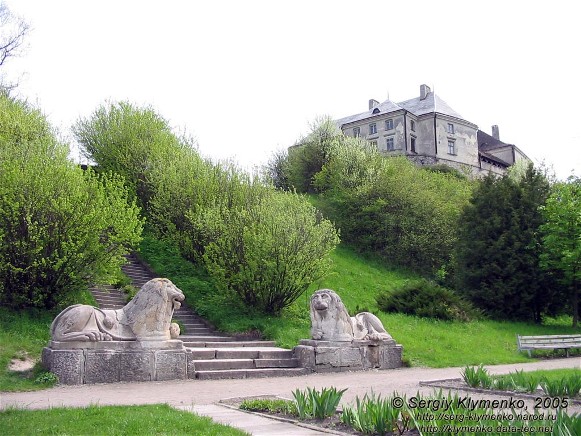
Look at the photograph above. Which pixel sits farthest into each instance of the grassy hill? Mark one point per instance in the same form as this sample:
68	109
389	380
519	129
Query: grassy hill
357	279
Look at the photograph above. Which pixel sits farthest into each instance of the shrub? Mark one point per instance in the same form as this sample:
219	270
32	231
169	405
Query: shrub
61	228
269	251
426	299
391	207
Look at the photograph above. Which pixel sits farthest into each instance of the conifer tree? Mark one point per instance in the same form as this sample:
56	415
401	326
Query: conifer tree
498	247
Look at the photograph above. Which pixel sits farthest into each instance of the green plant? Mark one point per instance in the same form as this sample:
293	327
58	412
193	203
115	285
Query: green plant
61	228
130	291
573	385
502	384
46	378
498	250
524	381
477	376
270	406
269	251
426	299
561	240
154	419
374	415
317	404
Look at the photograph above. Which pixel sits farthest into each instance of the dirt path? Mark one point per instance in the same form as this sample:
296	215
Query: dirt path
199	392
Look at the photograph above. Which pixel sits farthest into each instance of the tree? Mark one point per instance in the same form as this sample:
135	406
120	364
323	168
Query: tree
307	157
61	228
13	31
561	240
129	141
498	247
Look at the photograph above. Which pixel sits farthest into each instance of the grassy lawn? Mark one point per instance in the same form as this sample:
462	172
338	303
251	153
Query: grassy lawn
357	280
157	419
22	336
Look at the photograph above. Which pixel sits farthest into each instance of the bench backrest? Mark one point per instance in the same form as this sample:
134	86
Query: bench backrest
564	340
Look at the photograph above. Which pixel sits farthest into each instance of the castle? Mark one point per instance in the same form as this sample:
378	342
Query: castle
428	131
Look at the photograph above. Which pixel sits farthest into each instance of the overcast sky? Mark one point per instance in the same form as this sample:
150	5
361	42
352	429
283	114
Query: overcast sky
247	77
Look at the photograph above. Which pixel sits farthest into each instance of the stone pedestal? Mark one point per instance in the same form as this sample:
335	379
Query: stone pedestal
114	361
336	356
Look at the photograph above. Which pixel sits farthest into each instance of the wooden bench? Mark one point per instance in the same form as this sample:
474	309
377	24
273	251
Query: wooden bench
548	342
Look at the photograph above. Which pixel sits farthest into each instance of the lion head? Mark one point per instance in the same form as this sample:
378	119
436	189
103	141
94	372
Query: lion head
330	320
149	313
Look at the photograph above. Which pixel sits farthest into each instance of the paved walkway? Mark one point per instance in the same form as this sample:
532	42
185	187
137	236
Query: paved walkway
196	393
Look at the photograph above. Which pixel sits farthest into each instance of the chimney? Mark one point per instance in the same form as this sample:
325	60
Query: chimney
424	91
373	103
495	133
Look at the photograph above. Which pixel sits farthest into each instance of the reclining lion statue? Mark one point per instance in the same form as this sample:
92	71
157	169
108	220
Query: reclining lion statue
330	320
146	317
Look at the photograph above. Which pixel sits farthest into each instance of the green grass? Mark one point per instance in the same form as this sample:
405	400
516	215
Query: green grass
22	336
357	279
157	419
439	344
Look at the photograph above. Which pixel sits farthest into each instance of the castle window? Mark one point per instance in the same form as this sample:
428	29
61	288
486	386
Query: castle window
390	144
357	132
389	124
372	129
451	128
451	147
375	111
374	144
412	125
413	144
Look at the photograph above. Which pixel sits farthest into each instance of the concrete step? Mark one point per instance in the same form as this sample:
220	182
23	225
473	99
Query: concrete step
250	373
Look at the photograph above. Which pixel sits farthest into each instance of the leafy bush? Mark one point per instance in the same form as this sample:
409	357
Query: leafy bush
61	228
426	299
269	251
391	207
129	141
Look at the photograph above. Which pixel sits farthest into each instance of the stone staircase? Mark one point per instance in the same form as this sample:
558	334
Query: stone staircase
216	355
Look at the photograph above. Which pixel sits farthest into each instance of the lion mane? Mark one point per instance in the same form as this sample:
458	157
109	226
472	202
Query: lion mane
146	317
330	320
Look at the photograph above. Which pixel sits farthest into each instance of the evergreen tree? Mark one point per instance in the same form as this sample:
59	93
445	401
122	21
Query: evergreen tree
498	247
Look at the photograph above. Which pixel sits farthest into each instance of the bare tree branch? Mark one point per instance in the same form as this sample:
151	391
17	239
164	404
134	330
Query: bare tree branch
13	32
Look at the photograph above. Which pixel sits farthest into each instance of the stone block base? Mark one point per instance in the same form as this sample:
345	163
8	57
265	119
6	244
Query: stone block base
327	356
115	361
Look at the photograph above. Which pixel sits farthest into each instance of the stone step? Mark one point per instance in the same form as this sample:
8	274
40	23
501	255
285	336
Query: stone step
221	364
200	341
227	343
108	298
250	373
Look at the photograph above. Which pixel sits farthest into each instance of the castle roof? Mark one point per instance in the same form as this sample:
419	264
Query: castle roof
417	106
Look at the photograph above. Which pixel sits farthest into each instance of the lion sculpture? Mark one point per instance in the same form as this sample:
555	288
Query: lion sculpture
147	317
330	320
